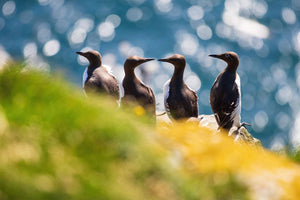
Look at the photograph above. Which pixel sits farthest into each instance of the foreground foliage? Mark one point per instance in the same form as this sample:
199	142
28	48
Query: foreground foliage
57	144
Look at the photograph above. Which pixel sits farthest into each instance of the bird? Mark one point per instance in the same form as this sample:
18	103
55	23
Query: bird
134	89
97	78
180	101
225	94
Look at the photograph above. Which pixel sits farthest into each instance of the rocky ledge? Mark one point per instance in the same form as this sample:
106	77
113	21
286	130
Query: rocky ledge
240	135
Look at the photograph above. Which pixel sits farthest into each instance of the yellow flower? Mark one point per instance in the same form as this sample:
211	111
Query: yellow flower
139	110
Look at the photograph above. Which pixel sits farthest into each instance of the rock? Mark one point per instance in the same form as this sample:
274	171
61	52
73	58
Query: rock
242	135
239	135
208	121
162	117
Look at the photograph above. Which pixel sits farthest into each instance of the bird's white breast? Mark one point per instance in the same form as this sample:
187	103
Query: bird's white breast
236	114
108	69
84	76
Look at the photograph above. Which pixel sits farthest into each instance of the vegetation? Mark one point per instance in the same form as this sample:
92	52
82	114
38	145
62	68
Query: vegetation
57	144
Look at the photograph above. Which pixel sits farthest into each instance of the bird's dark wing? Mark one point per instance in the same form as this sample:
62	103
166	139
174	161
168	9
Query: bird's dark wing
182	105
102	82
223	104
112	85
148	94
194	101
146	98
91	85
174	108
190	103
114	88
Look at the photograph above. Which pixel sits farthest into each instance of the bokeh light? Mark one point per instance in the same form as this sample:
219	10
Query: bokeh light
51	48
8	8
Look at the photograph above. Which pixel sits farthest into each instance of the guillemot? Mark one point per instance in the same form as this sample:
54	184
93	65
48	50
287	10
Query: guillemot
97	78
134	89
225	94
180	101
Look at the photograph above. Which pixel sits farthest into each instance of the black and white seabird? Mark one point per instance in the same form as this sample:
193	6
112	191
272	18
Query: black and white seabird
98	78
225	94
134	89
180	101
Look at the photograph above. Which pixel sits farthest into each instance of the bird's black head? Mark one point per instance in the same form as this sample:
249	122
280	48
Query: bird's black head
230	58
133	61
93	57
177	60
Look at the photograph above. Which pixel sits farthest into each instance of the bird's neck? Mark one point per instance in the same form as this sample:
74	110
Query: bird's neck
232	67
230	75
177	75
129	73
94	63
91	69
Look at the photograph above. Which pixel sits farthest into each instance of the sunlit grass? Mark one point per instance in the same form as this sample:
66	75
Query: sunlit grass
57	144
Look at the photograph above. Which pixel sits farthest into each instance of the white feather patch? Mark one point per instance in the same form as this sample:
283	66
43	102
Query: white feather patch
166	95
236	114
84	76
191	89
108	69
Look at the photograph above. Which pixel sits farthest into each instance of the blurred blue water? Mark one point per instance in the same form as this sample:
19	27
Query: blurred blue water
264	33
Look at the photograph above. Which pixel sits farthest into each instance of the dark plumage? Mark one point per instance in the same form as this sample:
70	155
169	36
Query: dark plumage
225	94
134	89
99	79
180	101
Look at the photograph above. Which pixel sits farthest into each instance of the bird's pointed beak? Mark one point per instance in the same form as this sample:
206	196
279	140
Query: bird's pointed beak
163	60
215	55
149	59
80	53
146	60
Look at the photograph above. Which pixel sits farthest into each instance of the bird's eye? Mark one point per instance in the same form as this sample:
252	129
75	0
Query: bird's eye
228	56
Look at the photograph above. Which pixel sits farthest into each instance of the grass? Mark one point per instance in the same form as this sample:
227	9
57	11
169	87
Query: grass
57	144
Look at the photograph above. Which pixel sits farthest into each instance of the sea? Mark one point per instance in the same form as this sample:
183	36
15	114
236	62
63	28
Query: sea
264	33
